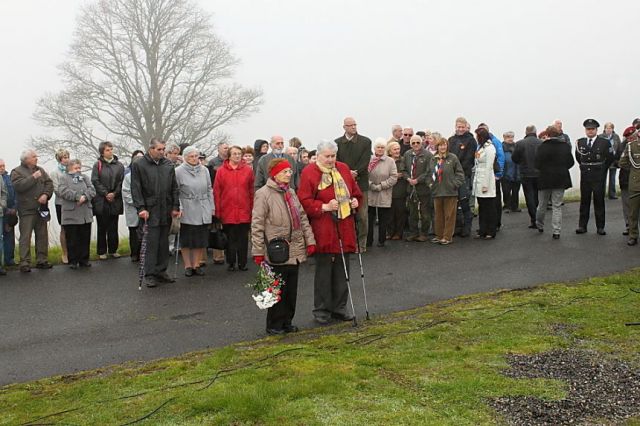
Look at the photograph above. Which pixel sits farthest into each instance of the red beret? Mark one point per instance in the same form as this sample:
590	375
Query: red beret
628	131
282	165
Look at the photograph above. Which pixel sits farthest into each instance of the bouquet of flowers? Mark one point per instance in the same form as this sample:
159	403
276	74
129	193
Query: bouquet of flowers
266	287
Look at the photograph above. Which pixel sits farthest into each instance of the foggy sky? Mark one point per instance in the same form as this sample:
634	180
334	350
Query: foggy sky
406	62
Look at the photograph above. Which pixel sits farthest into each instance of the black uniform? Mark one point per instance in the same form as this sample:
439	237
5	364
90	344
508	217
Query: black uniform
594	160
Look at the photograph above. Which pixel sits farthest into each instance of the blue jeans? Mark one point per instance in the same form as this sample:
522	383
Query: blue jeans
9	245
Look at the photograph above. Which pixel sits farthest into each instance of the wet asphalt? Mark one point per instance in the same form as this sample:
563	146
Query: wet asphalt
61	321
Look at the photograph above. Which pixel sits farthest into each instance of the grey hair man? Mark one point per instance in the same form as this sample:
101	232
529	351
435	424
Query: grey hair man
34	189
396	134
558	125
277	151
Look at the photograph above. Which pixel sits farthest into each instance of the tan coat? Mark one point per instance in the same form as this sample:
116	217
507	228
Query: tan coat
381	181
270	219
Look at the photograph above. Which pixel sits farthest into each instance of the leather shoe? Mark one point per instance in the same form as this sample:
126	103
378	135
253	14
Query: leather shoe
25	268
632	241
625	232
556	236
243	268
164	278
290	328
231	268
150	282
533	226
188	272
321	320
581	230
85	264
342	317
601	231
74	266
199	271
275	331
45	265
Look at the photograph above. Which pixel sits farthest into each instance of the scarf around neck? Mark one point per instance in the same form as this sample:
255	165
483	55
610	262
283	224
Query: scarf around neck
333	176
373	163
293	210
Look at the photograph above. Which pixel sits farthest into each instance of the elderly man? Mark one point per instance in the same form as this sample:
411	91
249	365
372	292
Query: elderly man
33	188
419	194
277	151
10	217
405	145
558	125
524	155
155	196
595	157
355	151
396	134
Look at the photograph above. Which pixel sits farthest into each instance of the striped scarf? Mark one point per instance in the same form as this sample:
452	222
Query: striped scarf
437	173
333	176
293	210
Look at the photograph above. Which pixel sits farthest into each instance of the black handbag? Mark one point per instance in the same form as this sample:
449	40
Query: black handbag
278	250
217	238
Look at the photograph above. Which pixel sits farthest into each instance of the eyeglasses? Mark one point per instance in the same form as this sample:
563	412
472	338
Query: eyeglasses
287	171
408	134
416	143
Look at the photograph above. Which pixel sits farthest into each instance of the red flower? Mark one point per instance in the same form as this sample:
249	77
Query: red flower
275	283
269	289
279	298
279	292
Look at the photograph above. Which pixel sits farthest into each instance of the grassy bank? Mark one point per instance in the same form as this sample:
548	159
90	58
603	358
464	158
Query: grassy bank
441	364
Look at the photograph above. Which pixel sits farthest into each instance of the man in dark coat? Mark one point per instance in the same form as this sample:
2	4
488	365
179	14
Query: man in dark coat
464	146
524	155
107	176
277	151
419	195
355	151
10	217
595	157
34	189
155	196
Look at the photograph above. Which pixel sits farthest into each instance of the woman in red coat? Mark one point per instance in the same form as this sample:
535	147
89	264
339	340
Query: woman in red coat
233	195
329	195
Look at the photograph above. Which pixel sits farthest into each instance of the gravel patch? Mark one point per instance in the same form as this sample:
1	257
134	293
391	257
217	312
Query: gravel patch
600	390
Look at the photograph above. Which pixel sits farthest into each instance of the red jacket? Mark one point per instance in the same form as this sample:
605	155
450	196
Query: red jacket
233	193
323	223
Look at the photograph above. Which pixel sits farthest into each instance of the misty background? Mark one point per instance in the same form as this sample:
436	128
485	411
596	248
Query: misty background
408	62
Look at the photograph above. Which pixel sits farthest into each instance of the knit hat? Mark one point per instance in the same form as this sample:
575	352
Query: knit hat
279	166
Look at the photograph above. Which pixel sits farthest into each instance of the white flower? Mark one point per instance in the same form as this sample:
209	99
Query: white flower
265	299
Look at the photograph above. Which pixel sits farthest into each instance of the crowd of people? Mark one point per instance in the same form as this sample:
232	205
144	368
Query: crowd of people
325	202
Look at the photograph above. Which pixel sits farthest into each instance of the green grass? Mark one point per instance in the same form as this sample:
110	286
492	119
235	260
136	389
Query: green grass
434	365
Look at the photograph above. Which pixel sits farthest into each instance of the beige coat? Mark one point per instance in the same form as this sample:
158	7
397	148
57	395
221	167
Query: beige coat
270	219
381	181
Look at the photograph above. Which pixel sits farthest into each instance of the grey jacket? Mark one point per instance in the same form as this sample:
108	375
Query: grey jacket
130	212
262	172
195	193
55	175
70	192
381	181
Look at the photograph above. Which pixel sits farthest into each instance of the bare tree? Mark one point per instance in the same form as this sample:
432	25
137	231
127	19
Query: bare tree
139	69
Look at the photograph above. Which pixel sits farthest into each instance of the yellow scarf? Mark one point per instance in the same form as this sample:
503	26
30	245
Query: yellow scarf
332	176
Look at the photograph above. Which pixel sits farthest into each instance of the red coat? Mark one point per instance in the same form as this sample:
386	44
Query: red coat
323	223
233	193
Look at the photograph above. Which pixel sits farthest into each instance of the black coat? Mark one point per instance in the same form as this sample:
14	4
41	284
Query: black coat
464	147
154	189
553	160
107	177
594	161
524	155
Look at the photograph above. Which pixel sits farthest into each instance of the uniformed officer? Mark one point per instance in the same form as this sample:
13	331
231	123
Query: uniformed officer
594	156
630	160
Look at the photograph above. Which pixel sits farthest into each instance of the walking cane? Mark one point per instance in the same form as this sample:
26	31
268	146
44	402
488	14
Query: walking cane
344	265
176	247
364	288
143	254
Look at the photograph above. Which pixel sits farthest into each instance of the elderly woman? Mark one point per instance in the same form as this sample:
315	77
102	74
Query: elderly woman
77	191
233	193
383	175
130	211
106	177
484	185
62	159
328	193
553	159
398	212
196	210
446	176
277	213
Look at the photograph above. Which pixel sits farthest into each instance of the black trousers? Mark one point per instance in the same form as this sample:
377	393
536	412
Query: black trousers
487	216
510	194
134	241
330	292
238	243
398	216
157	255
589	187
281	314
383	220
107	236
78	242
498	203
530	188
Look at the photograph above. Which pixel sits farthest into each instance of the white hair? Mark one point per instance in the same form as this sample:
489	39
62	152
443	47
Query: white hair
380	142
188	150
325	144
26	154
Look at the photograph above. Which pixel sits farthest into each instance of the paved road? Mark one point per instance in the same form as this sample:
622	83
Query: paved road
61	321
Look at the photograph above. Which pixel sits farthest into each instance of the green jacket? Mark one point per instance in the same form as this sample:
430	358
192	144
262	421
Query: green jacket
421	172
452	176
356	154
632	152
400	188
